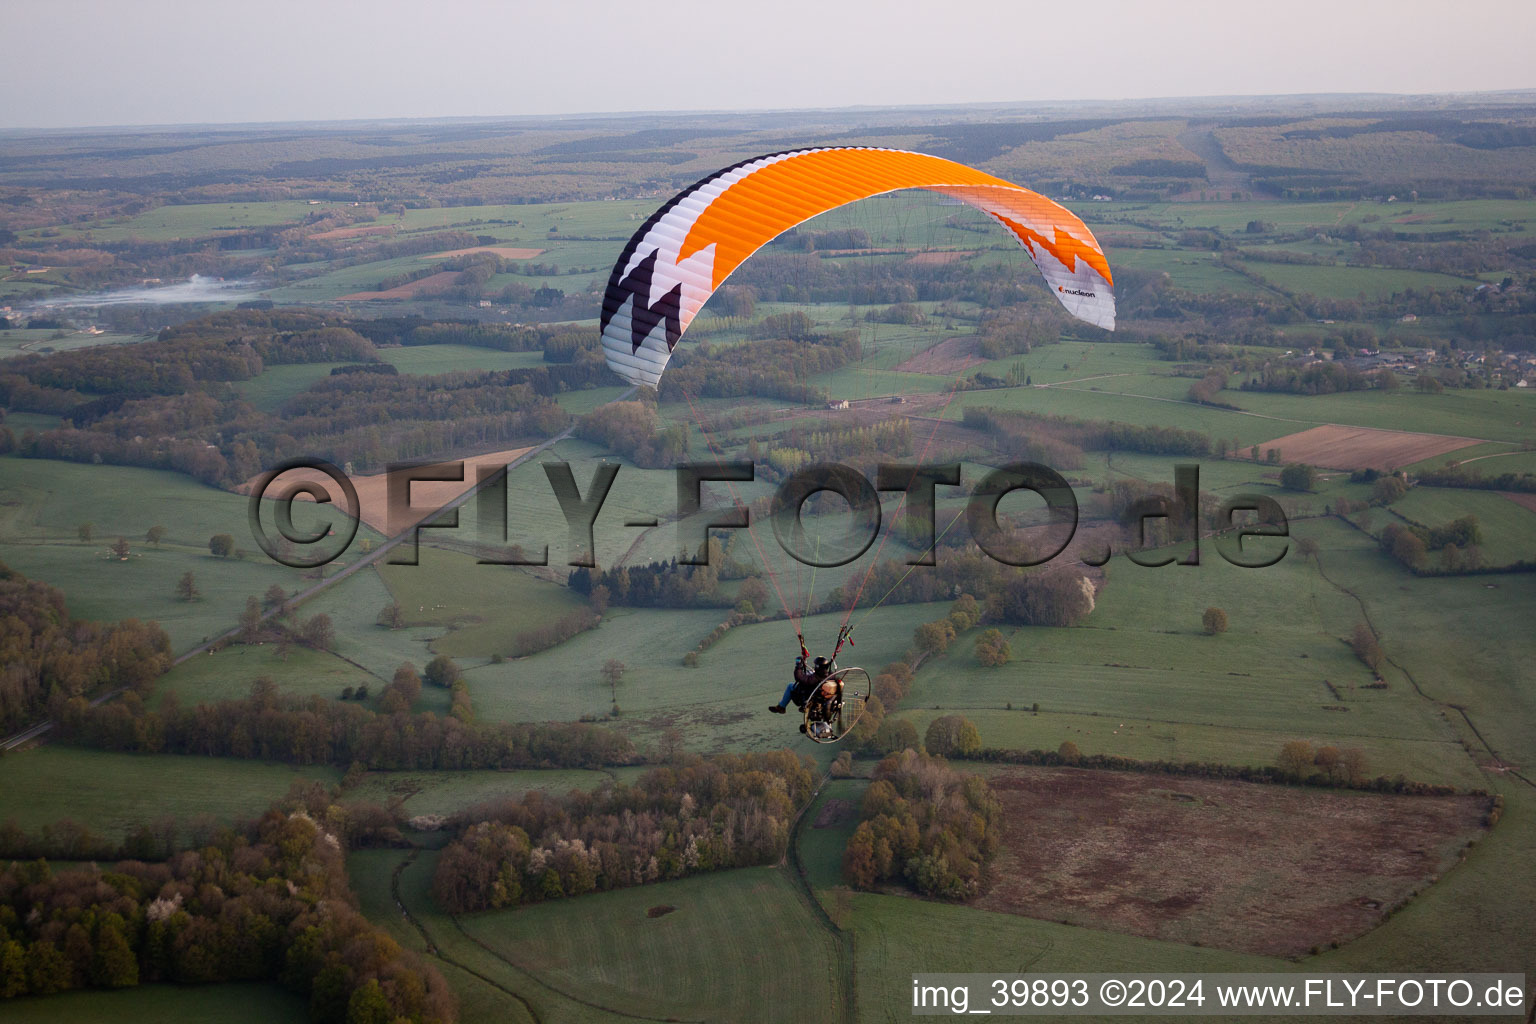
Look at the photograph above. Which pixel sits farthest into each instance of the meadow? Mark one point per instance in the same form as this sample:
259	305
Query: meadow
447	792
1343	282
431	359
113	794
1141	679
719	706
41	508
22	341
745	940
1291	215
1508	529
737	936
224	1004
483	607
276	384
372	874
227	674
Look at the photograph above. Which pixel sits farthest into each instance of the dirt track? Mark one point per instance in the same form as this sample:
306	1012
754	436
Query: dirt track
424	286
506	252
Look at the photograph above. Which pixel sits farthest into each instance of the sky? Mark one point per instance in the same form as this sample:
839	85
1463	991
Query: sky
76	63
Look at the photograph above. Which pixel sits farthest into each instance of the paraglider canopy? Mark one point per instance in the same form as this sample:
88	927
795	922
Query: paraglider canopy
687	249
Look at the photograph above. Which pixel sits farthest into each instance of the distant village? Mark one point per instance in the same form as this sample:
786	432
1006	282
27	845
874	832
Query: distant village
1496	367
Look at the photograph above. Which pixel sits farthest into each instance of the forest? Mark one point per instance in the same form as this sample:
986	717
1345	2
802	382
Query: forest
50	658
268	902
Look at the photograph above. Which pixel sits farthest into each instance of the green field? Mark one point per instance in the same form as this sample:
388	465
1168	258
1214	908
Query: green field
1505	462
446	792
1149	396
371	873
41	507
745	940
213	1004
1342	282
896	937
28	342
1287	216
277	384
228	674
1142	679
1509	530
354	606
483	607
719	706
195	220
114	793
1198	272
429	359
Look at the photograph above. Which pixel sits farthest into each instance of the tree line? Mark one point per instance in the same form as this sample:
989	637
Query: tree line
274	726
696	814
1016	429
1469	477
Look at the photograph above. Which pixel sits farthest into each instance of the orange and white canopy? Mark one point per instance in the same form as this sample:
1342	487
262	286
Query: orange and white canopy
687	249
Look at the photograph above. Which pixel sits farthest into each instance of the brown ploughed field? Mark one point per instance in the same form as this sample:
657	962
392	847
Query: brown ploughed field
1334	446
1244	866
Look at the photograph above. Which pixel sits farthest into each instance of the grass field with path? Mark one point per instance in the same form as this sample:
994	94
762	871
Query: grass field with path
745	940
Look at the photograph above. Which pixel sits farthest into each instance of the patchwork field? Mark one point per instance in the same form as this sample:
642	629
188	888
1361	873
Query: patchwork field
1340	447
1263	869
1100	871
